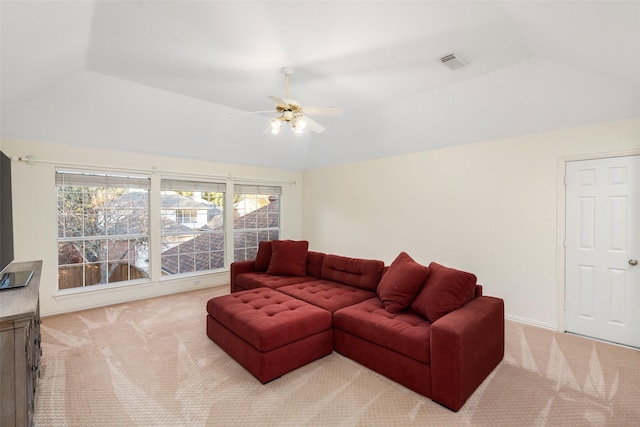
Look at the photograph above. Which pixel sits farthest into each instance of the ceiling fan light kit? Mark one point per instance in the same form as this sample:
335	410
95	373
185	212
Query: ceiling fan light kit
290	111
298	124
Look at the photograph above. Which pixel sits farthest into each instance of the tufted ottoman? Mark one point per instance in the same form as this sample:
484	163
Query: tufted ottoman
267	332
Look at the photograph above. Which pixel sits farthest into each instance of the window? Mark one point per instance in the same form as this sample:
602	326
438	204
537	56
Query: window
103	228
256	218
187	216
192	231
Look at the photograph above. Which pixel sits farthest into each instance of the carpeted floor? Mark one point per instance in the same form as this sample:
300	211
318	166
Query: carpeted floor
150	363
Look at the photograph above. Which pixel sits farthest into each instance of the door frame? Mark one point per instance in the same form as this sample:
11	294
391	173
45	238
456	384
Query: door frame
561	250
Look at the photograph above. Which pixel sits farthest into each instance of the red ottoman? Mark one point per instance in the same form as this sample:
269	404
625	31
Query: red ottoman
267	332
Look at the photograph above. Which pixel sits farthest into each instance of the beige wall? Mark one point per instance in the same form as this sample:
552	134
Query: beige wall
491	208
35	224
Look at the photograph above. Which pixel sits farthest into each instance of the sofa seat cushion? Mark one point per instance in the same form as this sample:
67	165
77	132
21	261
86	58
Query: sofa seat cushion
261	279
406	332
268	319
326	294
361	273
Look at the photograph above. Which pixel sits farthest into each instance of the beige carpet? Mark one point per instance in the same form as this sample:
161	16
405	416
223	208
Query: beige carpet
150	363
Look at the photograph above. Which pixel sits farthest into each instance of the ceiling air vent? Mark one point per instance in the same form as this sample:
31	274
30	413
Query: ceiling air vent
454	61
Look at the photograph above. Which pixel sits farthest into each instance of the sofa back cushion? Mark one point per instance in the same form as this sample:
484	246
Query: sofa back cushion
314	263
288	258
445	290
361	273
263	257
401	283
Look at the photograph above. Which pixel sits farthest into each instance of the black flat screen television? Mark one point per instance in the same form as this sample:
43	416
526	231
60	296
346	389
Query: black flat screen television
14	279
6	215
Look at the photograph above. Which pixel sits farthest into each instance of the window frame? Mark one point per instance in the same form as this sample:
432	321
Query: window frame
254	235
153	217
86	234
175	265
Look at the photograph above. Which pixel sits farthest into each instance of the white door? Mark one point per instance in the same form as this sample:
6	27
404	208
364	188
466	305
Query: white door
602	283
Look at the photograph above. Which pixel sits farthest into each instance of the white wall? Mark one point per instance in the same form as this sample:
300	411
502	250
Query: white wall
489	208
35	222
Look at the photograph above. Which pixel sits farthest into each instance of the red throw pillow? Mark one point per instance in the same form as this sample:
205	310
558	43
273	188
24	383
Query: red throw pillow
263	257
288	258
401	283
445	290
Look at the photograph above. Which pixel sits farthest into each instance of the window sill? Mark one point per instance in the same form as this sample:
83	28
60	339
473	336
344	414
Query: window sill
83	291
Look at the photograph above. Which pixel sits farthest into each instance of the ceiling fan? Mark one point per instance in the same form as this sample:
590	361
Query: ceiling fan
290	111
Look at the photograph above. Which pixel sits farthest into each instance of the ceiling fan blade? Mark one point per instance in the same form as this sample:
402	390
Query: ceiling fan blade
241	113
279	102
323	111
313	125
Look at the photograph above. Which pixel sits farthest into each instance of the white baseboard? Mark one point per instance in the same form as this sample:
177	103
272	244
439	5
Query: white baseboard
100	297
531	322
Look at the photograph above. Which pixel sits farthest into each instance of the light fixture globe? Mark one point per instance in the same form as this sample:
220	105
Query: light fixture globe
276	125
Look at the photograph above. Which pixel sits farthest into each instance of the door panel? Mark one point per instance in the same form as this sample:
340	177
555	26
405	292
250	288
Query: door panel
602	289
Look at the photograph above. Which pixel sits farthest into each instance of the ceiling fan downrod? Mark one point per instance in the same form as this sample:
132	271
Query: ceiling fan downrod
287	71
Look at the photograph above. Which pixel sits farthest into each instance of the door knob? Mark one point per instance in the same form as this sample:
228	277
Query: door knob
633	262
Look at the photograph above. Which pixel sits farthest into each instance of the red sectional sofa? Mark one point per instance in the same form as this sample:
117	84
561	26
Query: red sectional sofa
427	328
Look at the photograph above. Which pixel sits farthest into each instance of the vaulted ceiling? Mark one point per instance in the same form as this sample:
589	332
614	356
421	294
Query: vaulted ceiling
174	77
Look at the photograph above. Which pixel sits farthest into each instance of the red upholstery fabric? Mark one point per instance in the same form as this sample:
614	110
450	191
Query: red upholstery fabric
405	333
465	345
401	283
246	281
402	369
477	291
328	295
267	319
288	258
445	290
263	257
245	275
267	366
237	268
468	344
361	273
314	263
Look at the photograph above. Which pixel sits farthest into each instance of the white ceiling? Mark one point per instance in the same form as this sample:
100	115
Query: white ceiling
164	77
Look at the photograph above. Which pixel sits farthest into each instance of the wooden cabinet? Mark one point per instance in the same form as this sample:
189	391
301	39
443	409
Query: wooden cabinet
20	348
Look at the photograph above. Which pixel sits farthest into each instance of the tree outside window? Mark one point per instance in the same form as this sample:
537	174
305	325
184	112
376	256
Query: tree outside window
103	228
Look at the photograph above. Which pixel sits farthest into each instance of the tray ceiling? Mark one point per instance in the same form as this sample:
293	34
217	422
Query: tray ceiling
170	77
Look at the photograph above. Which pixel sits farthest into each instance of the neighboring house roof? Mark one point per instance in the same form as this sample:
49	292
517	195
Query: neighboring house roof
203	252
209	248
131	223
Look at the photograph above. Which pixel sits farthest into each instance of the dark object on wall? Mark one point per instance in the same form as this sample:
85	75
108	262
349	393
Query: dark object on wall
6	216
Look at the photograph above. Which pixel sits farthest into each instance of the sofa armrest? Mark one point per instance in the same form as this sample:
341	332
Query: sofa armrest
239	267
466	345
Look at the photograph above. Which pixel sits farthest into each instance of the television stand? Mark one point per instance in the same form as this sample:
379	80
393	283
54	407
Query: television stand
15	279
20	347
